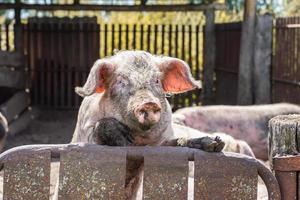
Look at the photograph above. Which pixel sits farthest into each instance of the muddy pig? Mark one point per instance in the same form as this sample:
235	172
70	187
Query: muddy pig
248	123
3	130
125	94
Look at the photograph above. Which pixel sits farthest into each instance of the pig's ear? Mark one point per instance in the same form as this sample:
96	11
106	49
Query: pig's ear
177	77
100	72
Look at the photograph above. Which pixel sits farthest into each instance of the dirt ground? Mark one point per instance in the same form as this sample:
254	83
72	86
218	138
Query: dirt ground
48	127
57	127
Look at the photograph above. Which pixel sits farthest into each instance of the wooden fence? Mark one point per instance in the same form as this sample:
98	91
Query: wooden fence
228	38
286	61
54	74
61	51
6	37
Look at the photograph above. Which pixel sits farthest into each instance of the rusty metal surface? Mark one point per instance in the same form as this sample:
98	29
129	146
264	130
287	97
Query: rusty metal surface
269	180
165	174
92	174
27	176
288	184
287	163
219	177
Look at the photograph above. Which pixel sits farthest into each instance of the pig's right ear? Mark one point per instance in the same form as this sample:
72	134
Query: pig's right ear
99	73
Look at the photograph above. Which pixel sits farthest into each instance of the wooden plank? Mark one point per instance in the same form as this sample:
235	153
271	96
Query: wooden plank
197	53
15	105
105	39
218	176
120	31
27	175
124	8
155	38
209	57
18	34
176	97
245	84
12	78
112	39
165	174
127	36
134	37
55	62
148	38
262	59
142	36
92	174
162	39
7	37
189	95
11	59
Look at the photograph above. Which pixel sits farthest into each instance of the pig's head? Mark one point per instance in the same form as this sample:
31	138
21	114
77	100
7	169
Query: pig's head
135	83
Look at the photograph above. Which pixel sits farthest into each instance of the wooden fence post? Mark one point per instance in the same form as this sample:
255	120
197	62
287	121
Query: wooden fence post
284	138
262	59
245	82
209	56
18	38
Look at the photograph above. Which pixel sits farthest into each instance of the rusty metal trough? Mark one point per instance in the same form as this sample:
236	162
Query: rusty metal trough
98	172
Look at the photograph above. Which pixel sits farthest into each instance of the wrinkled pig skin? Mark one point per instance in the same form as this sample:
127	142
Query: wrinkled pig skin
3	130
130	87
248	123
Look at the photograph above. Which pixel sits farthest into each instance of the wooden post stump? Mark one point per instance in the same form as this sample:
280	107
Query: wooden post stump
284	138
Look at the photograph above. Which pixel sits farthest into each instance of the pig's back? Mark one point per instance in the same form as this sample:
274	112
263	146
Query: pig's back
248	123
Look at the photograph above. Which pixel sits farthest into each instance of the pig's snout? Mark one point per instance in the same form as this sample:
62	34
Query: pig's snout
148	113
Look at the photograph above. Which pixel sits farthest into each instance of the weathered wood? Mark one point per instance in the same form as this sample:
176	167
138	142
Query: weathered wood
92	174
127	8
162	181
231	177
27	176
18	36
262	59
12	59
245	82
284	135
15	105
209	56
12	78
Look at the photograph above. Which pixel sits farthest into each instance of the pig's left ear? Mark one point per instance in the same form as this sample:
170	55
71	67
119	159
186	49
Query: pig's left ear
177	77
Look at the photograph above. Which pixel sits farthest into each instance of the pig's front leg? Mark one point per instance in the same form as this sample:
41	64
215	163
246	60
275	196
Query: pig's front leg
109	131
209	144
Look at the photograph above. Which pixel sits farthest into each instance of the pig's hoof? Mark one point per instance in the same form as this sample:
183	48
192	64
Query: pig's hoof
208	144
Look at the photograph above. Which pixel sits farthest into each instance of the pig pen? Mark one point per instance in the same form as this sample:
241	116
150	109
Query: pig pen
57	127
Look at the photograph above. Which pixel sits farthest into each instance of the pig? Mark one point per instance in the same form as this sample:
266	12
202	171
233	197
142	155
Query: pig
3	130
124	104
130	87
248	123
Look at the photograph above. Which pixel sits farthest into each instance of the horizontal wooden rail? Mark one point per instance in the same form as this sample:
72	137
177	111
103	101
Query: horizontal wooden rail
243	166
127	8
